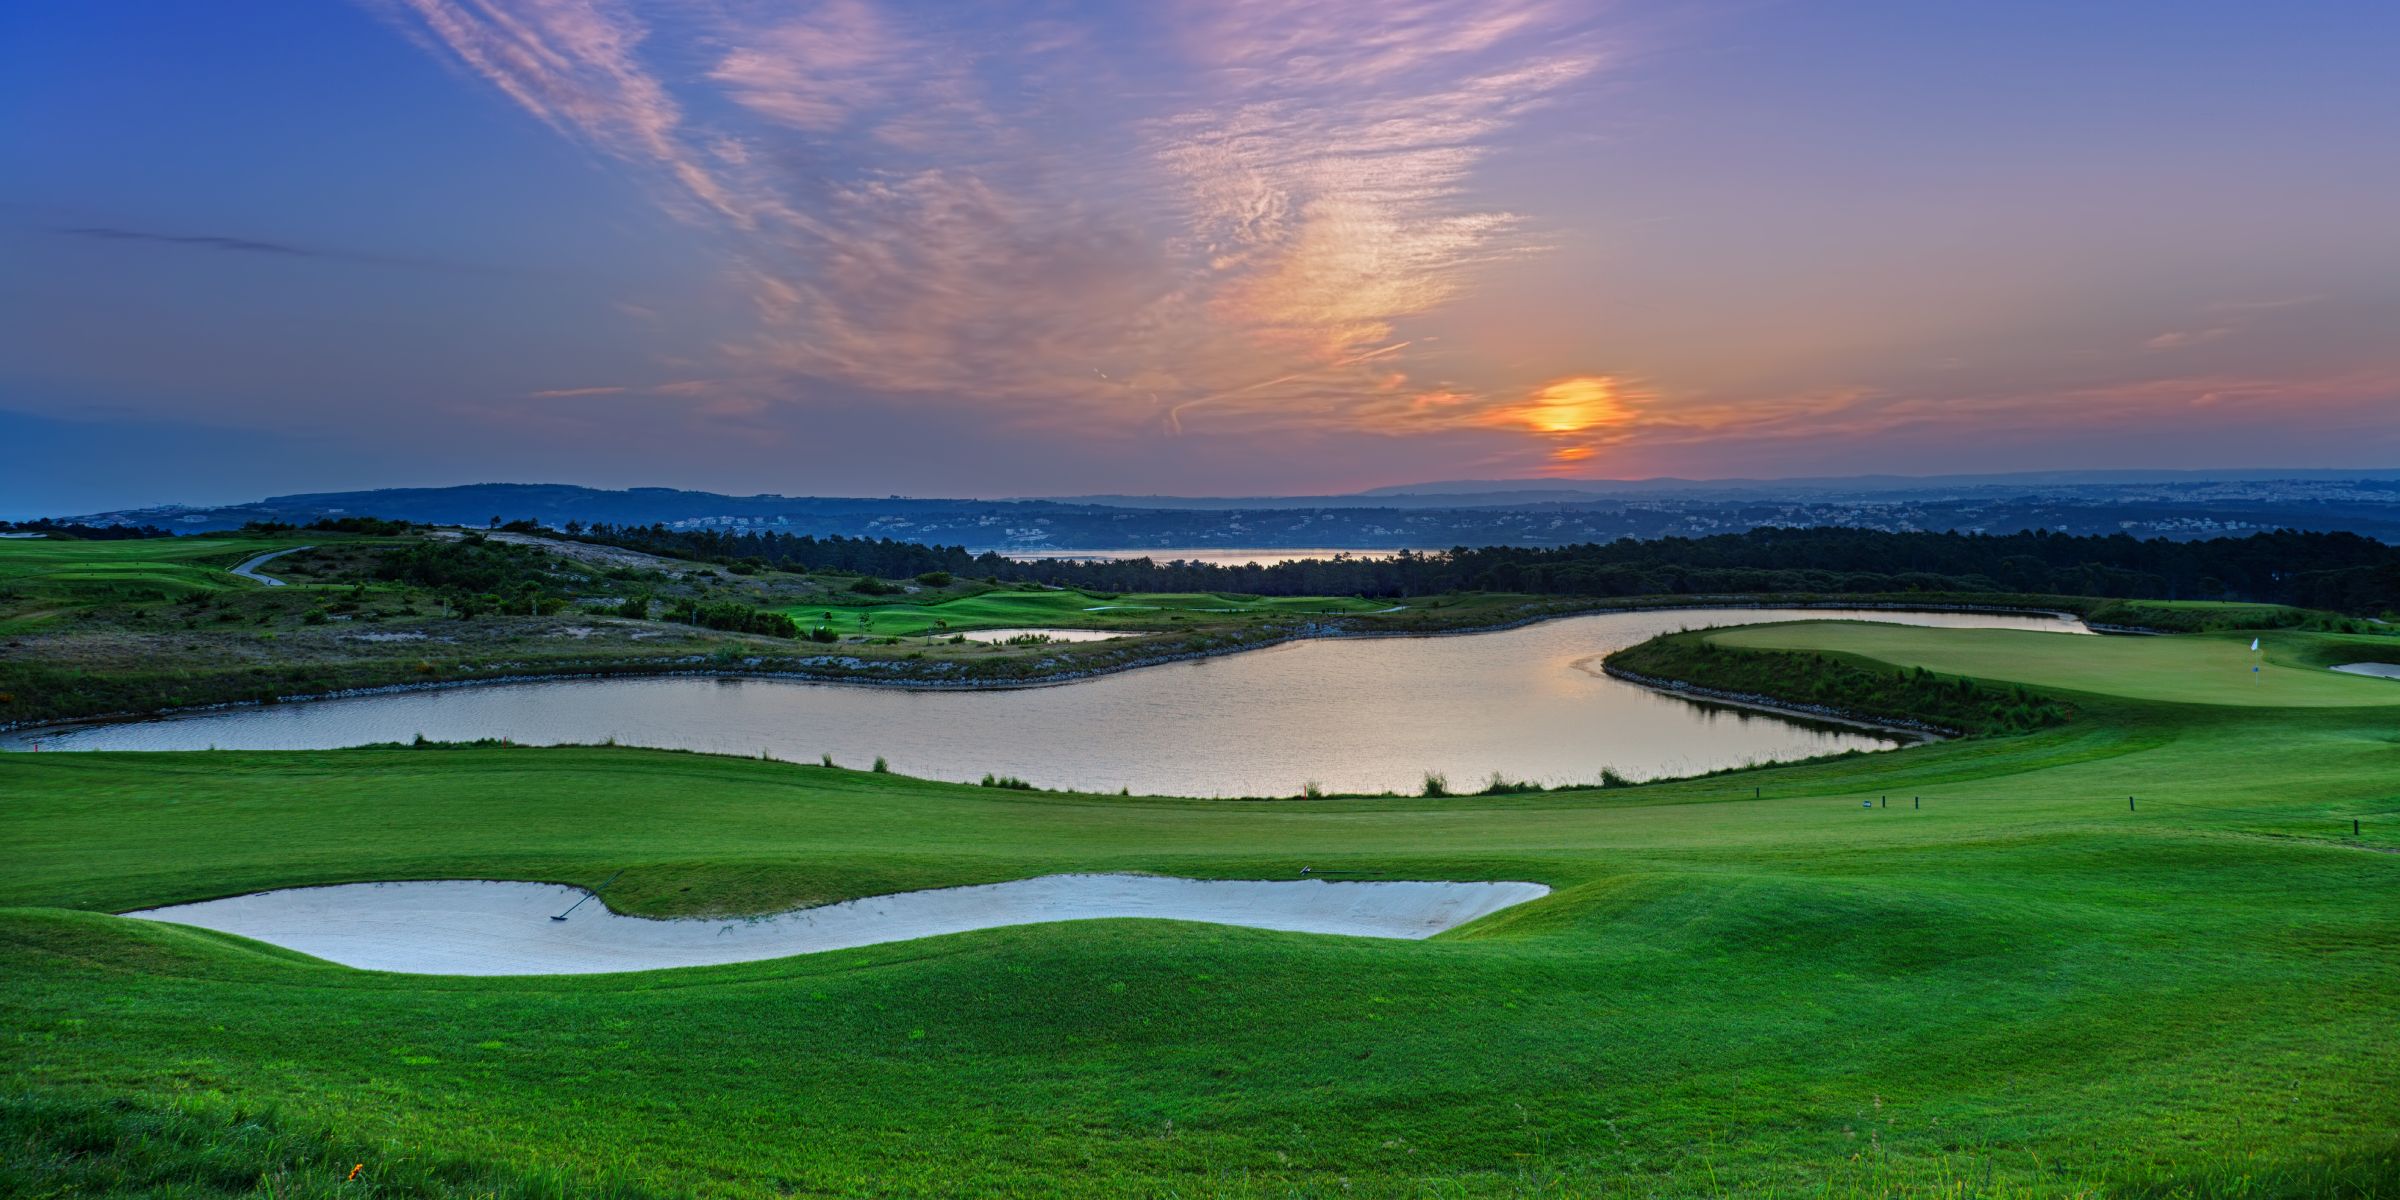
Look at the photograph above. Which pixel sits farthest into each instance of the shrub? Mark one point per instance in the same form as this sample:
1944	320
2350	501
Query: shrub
734	618
882	767
935	579
1436	784
868	585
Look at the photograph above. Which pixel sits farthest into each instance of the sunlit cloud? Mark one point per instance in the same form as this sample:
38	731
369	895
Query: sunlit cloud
2179	338
569	393
1241	243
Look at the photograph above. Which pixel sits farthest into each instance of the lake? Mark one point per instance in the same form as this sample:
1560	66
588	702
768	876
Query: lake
1350	714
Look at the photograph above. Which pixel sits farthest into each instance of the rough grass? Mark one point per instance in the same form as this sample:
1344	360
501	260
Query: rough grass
2018	989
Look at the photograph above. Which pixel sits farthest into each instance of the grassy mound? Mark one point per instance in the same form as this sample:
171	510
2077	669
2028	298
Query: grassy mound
1846	687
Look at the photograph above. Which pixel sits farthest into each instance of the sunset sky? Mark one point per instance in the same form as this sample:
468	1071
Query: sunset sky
1226	247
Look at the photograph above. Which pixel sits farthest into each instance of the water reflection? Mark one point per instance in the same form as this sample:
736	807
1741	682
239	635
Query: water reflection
1350	715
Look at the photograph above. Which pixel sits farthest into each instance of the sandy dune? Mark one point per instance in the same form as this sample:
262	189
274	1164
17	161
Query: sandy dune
480	927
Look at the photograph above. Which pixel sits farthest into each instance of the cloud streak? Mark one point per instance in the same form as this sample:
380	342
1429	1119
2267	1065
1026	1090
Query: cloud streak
252	246
957	215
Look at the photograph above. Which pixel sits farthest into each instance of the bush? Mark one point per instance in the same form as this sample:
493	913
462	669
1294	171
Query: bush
935	579
868	585
1436	784
734	618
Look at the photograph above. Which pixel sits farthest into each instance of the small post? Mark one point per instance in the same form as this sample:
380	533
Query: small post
2128	804
1754	793
1887	801
1916	801
2354	827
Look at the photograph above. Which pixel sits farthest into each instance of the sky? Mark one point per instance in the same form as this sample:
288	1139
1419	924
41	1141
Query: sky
1224	247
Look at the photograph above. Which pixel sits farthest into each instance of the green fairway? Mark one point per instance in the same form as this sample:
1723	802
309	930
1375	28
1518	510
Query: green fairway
2211	669
2019	988
1071	609
43	579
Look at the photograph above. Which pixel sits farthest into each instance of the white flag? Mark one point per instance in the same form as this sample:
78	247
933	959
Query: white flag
2254	644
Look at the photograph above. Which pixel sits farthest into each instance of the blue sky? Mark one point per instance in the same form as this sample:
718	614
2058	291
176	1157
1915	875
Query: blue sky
1233	247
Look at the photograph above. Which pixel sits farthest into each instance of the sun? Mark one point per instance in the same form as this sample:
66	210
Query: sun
1574	405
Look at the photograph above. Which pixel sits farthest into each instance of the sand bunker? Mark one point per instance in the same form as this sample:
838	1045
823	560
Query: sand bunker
479	927
2380	670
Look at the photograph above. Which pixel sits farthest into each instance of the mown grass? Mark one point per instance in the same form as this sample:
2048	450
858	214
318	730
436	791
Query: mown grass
2020	988
44	580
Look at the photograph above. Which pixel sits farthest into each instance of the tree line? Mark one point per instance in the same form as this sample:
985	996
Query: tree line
2342	572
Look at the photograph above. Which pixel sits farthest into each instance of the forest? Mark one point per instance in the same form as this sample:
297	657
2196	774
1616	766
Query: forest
2341	572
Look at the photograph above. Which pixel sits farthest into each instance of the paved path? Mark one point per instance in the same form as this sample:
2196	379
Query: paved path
249	569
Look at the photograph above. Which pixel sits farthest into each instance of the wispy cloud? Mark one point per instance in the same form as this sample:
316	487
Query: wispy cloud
568	393
950	212
243	245
2177	339
255	246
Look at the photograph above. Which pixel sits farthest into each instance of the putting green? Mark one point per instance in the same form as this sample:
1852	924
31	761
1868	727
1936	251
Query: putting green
2212	669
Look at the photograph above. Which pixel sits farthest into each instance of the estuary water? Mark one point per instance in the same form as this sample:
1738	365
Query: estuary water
1348	714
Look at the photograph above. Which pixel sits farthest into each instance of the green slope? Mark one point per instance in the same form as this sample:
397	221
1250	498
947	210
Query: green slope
2020	988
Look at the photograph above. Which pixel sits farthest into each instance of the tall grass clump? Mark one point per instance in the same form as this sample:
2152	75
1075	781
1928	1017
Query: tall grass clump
1502	785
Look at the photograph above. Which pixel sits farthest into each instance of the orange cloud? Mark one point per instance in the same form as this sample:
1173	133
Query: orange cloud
563	393
1574	405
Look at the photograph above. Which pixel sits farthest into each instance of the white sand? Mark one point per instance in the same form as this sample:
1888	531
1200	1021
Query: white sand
2379	670
480	927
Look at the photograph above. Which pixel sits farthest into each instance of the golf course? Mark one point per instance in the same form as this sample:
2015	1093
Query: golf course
2144	951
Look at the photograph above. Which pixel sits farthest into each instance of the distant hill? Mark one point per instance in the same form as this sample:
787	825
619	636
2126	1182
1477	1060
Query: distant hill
2178	505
